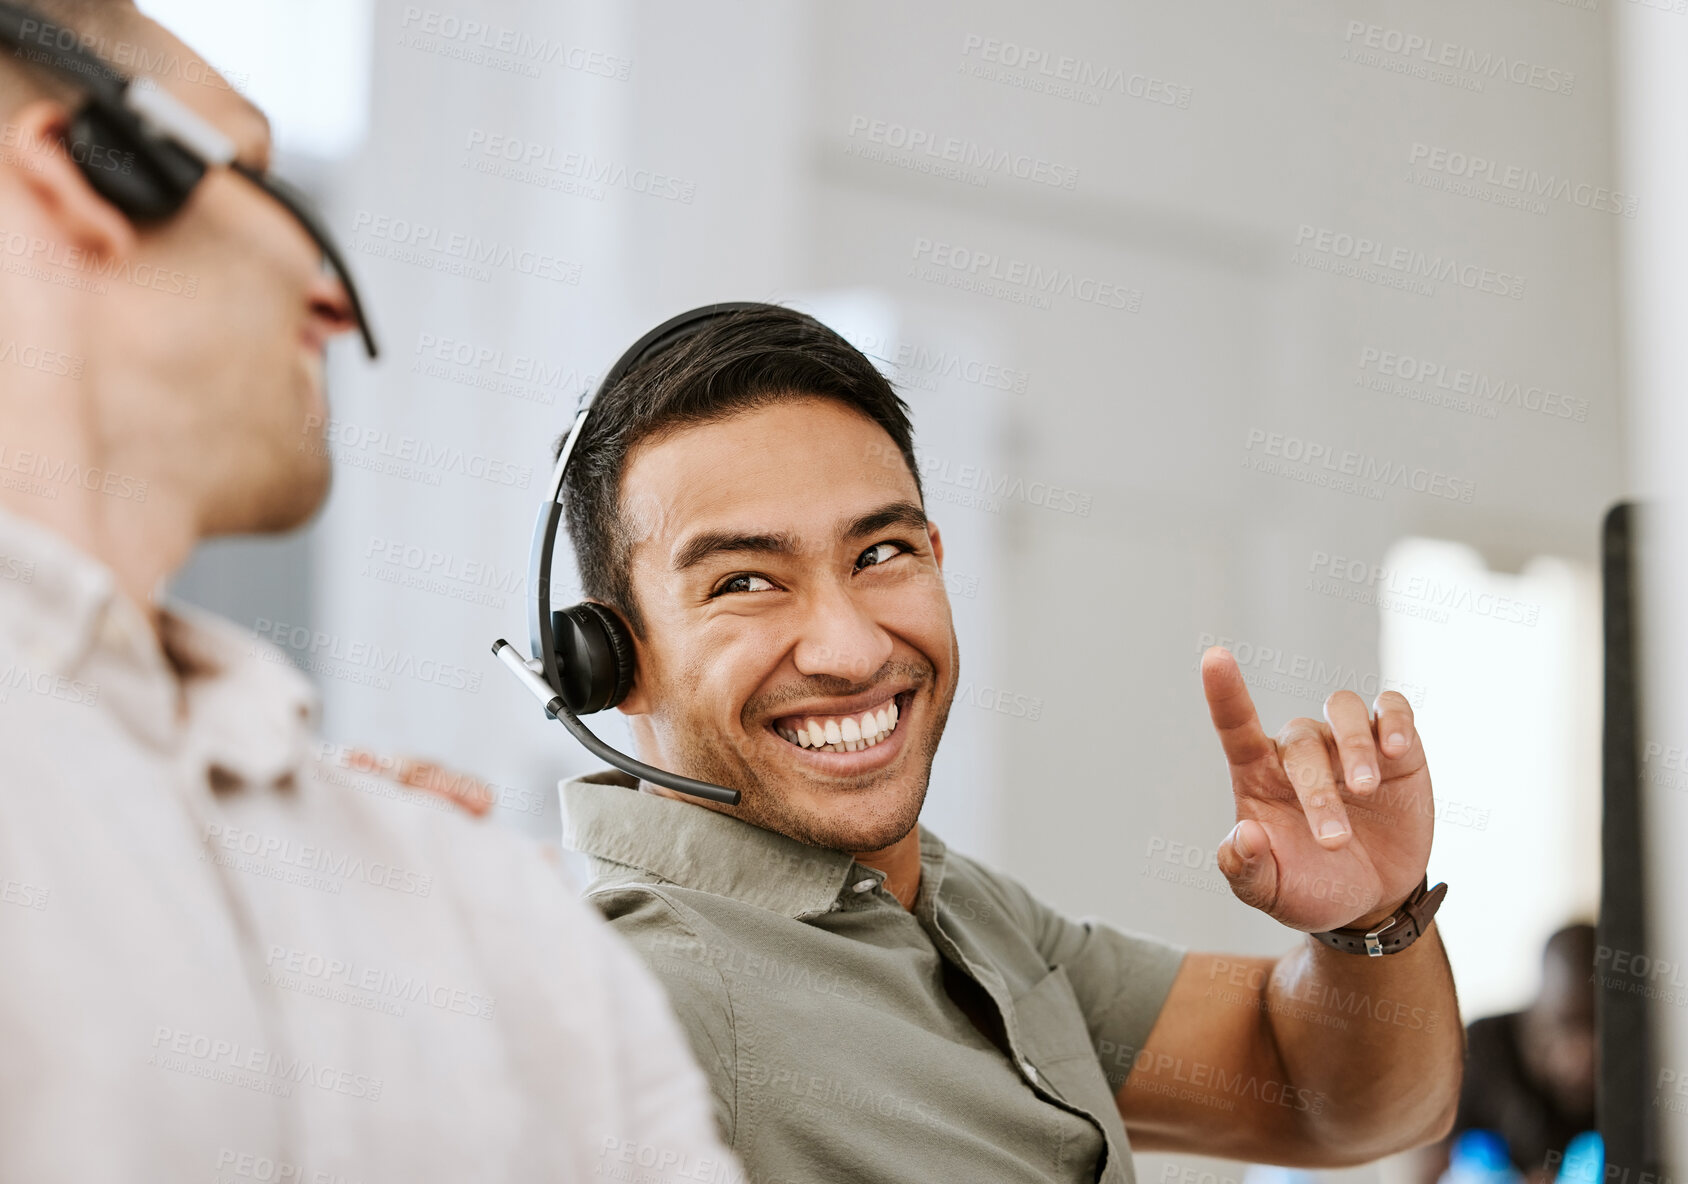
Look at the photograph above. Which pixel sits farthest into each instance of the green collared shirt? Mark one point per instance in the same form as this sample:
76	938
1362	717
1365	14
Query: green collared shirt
979	1036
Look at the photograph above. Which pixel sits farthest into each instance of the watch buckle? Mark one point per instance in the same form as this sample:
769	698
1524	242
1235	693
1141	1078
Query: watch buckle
1374	944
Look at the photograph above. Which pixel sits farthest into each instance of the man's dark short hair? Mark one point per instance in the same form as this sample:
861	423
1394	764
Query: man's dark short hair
744	361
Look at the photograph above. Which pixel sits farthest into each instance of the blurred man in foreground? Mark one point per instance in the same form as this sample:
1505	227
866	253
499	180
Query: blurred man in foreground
218	964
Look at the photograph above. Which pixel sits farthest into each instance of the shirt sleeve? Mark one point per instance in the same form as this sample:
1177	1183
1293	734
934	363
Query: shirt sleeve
680	961
1121	977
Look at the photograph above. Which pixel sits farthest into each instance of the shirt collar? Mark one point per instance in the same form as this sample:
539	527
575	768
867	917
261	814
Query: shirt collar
607	818
253	712
53	596
62	616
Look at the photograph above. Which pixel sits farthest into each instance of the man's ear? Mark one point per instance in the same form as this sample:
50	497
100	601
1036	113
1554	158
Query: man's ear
937	543
40	162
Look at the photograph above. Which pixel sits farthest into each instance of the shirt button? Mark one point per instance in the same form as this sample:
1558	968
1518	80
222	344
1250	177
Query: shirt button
864	885
1031	1070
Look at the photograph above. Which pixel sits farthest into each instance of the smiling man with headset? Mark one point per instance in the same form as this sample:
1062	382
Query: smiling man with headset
766	606
221	958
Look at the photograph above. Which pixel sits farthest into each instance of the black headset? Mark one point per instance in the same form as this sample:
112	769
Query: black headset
583	655
142	149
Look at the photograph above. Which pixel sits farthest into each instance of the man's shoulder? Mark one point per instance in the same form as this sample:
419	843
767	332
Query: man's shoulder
680	945
481	862
651	913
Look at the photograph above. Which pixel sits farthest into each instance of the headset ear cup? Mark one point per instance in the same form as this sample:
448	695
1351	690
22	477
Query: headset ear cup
147	179
621	649
594	657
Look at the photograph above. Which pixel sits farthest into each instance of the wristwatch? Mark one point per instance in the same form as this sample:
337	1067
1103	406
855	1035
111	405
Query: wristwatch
1397	931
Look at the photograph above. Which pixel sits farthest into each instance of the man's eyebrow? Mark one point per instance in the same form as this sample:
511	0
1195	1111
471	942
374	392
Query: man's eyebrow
902	513
717	542
721	542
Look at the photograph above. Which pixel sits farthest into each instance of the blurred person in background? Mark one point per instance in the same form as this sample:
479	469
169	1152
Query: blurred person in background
1530	1074
225	958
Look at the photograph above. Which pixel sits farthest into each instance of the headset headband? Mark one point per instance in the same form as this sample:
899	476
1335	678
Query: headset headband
542	674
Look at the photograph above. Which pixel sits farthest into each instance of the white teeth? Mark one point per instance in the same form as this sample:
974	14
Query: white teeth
844	734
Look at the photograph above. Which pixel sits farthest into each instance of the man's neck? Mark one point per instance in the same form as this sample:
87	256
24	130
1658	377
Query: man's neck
95	508
901	864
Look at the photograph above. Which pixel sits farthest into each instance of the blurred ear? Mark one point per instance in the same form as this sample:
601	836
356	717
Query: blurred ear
937	543
40	162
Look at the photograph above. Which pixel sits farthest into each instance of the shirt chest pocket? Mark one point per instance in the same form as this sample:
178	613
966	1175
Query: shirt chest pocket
1053	1036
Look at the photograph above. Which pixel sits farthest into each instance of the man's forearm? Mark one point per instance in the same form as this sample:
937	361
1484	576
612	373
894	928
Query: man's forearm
1378	1038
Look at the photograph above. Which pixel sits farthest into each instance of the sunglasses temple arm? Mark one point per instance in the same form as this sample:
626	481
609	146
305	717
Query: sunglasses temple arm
319	235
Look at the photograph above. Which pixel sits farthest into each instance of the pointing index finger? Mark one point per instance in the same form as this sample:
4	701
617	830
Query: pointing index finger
1232	710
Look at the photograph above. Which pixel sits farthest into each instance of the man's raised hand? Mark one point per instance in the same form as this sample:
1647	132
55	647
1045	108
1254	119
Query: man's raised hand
1334	818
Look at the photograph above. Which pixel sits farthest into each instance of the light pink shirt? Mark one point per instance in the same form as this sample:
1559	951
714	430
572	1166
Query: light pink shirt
222	958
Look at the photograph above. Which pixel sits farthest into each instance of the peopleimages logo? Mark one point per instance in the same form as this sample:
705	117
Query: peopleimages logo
33	255
47	361
97	157
453	252
1414	52
1321	464
924	366
1380	368
551	167
500	46
411	457
49	472
128	56
1034	68
428	569
1528	183
966	154
328	653
1032	283
1272	669
1412	265
495	369
1411	593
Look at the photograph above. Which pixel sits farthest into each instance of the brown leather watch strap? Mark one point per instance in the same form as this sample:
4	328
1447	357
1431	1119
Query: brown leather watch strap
1397	932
